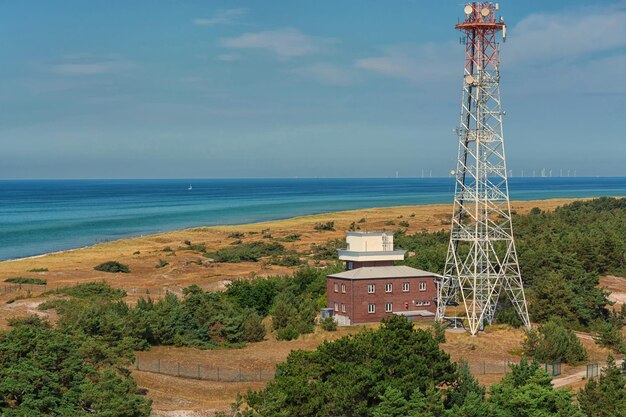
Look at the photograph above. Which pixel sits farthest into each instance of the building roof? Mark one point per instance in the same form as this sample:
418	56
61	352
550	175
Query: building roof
373	272
369	233
423	313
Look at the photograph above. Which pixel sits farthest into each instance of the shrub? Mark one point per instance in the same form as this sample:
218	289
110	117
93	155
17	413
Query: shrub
93	290
439	332
287	260
198	247
329	324
353	227
404	223
324	227
111	266
328	250
362	220
236	235
162	263
294	237
248	252
167	249
22	280
390	223
287	333
38	270
253	328
553	342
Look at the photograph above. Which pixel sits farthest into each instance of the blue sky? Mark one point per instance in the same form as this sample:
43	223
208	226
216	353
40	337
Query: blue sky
181	89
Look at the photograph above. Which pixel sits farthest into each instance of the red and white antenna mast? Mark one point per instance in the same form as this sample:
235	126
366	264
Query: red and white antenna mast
482	260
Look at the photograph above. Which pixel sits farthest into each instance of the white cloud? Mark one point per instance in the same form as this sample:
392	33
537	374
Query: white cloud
327	73
568	35
78	65
420	65
284	43
222	17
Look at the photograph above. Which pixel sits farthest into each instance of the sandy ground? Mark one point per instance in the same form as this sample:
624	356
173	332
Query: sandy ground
173	396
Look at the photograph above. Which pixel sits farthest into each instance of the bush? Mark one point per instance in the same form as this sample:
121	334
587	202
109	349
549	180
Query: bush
167	249
93	290
22	280
553	342
253	328
111	266
404	223
439	332
608	334
287	333
324	227
294	237
197	247
390	223
362	220
328	250
329	324
162	263
236	235
248	252
38	270
287	260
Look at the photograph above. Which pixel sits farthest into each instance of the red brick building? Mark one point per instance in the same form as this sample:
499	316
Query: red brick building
372	287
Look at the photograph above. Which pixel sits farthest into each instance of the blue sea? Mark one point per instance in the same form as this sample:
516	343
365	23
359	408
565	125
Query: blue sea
39	216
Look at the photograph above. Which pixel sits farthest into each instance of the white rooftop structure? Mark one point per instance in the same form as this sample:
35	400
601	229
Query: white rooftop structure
370	246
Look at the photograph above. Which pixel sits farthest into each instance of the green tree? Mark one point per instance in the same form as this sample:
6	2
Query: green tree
605	397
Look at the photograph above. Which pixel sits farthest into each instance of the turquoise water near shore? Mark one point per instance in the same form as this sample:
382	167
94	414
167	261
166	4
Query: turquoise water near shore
40	216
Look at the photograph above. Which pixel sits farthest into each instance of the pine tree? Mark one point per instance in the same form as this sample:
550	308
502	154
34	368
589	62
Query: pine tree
607	396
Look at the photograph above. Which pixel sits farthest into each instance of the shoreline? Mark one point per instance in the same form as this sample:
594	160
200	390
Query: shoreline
303	218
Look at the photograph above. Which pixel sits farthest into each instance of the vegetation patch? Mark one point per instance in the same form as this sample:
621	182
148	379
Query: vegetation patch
112	267
38	270
324	227
328	250
553	342
162	263
286	260
294	237
248	252
236	235
23	280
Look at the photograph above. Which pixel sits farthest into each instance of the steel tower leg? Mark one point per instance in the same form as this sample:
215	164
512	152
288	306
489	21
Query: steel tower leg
482	260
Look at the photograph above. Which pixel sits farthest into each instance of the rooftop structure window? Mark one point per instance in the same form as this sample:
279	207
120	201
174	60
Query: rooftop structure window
388	287
405	287
423	286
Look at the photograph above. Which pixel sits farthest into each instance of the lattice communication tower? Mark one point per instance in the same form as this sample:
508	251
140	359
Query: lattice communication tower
482	261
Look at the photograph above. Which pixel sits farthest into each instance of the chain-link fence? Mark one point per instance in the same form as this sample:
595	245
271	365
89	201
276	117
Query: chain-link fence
490	367
203	372
35	289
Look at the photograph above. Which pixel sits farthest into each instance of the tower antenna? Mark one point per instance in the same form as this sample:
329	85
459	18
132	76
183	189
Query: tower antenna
482	260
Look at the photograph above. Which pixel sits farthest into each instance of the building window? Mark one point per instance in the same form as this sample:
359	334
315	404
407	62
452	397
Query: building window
336	306
422	286
350	265
388	307
388	287
418	303
343	307
371	288
336	287
343	288
405	287
426	303
371	308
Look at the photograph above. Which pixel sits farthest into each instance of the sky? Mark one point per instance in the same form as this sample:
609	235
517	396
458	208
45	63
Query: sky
325	88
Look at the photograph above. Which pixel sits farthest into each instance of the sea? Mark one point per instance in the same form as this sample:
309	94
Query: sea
41	216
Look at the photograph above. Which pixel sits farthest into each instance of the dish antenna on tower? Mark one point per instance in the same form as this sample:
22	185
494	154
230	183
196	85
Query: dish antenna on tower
468	9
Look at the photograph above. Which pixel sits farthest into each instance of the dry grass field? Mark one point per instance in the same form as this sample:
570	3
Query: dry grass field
187	397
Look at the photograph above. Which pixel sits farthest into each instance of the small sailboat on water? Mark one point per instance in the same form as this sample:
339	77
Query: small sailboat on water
190	188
